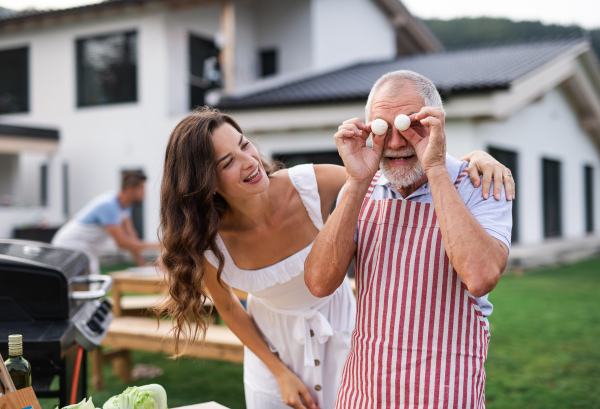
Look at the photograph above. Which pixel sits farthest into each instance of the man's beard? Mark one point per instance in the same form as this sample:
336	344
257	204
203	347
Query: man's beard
404	176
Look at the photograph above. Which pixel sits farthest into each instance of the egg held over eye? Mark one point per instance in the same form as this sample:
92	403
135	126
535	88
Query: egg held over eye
402	122
379	127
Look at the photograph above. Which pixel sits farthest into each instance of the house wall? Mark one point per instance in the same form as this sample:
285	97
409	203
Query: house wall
349	31
547	128
97	142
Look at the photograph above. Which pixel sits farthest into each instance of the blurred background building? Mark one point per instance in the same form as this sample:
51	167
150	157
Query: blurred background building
88	92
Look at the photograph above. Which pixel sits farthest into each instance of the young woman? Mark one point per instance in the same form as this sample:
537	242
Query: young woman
230	220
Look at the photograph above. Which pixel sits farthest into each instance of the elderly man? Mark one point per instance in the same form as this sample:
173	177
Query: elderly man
428	250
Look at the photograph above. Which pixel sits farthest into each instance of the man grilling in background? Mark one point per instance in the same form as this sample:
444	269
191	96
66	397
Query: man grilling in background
107	215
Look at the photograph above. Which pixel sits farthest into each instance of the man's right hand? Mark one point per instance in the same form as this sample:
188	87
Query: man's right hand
361	161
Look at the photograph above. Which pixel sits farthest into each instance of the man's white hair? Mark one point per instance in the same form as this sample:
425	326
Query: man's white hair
399	79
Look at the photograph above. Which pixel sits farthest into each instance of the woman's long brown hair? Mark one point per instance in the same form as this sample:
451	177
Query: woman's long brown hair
190	210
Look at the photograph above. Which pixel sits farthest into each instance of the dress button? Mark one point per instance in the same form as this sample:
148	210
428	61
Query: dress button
317	362
312	333
317	387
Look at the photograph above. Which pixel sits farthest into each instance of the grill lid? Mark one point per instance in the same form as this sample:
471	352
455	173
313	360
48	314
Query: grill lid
37	279
33	253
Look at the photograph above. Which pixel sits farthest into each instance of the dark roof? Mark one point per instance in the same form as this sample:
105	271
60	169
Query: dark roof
453	72
28	132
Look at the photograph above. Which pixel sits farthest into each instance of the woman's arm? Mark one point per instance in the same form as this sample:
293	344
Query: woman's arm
330	179
237	319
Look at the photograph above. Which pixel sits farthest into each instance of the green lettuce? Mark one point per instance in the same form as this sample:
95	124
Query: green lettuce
84	404
151	396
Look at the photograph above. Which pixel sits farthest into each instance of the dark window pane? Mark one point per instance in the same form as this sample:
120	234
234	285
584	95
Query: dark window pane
510	160
205	72
65	189
552	198
268	62
14	80
107	69
137	213
589	198
44	185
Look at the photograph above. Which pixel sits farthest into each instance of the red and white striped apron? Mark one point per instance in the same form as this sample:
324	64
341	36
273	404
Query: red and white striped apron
420	339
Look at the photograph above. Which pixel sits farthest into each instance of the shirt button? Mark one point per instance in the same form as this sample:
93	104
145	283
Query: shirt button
317	362
317	388
312	333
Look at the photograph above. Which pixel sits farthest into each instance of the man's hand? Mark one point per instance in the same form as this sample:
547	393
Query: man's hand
428	137
361	161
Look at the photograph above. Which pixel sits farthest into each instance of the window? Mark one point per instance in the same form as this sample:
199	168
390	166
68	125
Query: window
205	72
509	159
107	69
551	197
268	63
14	80
588	180
137	214
44	185
65	189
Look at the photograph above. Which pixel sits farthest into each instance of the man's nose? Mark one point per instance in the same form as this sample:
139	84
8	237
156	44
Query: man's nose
395	140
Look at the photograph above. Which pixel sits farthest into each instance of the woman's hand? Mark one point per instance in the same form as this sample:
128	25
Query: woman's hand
482	163
295	394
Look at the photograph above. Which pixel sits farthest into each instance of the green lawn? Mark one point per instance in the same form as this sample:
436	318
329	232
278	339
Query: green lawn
544	352
545	345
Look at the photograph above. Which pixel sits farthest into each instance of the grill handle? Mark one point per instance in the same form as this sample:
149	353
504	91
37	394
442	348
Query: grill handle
107	282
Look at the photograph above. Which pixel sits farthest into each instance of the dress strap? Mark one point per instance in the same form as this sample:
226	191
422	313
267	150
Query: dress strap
304	180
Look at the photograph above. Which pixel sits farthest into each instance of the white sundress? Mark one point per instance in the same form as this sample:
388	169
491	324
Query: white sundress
311	335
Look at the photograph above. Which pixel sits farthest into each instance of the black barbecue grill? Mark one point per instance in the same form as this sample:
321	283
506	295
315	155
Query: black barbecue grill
48	295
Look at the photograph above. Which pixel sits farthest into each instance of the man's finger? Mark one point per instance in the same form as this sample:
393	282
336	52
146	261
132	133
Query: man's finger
431	112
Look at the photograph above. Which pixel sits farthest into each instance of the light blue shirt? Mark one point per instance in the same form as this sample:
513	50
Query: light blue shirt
495	216
104	210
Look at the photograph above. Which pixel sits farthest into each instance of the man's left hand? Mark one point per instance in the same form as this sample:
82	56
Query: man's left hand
428	137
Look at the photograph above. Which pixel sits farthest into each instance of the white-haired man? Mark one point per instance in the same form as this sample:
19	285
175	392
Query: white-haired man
428	247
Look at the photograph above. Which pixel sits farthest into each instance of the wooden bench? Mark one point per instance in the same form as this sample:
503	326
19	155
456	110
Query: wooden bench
139	333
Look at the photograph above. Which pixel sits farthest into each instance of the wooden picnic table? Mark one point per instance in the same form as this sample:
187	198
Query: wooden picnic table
148	281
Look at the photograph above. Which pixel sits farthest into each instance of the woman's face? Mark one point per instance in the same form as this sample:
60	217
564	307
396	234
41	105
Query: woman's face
239	170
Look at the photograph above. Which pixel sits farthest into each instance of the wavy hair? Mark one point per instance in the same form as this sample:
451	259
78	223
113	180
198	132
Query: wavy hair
190	211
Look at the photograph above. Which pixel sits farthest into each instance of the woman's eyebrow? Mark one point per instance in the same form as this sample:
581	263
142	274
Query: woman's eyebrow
229	154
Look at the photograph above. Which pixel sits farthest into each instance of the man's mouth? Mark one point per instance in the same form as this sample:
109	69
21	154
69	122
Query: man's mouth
253	175
399	156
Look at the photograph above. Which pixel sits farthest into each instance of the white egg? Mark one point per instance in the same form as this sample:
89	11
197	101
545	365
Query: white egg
379	127
402	122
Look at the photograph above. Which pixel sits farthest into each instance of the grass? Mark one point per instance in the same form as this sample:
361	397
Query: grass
545	348
544	352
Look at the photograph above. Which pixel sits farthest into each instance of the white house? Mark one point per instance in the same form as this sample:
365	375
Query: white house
90	91
534	106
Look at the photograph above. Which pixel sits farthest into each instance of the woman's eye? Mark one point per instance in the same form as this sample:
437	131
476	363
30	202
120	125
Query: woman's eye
246	144
228	163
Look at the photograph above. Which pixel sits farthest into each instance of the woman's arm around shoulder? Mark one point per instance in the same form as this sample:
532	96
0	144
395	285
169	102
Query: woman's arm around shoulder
330	179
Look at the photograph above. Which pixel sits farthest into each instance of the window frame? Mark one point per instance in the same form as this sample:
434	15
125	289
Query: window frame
79	71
